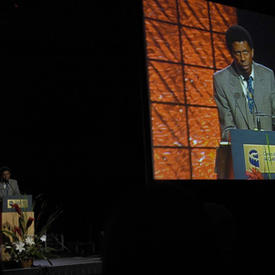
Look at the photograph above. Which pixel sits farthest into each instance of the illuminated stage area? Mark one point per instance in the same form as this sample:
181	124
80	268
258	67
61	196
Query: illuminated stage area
62	266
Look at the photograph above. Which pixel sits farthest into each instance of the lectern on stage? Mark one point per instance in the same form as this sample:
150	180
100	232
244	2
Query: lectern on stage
248	149
9	216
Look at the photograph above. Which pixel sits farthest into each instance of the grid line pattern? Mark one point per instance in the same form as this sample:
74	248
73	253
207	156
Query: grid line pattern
185	46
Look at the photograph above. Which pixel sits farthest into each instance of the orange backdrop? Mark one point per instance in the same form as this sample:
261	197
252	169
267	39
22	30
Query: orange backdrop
185	42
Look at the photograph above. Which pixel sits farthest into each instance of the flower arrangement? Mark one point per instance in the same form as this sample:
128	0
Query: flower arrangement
254	174
20	244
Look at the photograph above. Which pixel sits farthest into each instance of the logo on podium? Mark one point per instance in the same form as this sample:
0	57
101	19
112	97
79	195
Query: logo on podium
254	158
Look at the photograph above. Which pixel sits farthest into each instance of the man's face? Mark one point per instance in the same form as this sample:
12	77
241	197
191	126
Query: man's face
243	56
6	175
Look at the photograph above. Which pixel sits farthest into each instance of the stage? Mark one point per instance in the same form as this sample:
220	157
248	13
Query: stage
62	266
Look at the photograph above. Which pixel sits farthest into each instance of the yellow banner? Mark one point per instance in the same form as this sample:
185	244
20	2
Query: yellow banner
22	203
261	157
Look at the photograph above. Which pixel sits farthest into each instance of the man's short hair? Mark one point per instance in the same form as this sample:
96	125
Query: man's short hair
4	168
237	33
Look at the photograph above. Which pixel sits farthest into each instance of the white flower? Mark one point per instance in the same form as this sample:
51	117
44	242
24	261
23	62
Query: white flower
19	246
43	238
29	240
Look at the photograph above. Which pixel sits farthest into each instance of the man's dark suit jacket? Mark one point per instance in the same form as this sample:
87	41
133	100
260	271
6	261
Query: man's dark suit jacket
232	104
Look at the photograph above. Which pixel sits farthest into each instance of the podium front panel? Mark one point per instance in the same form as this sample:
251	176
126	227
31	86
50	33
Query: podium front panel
253	149
23	201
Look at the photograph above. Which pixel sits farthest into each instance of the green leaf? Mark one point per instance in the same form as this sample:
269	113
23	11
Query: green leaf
49	222
269	159
10	234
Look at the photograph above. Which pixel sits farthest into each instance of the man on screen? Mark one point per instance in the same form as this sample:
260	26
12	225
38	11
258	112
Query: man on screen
245	90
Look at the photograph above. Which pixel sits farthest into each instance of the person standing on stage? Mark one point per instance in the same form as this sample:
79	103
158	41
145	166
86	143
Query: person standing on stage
245	88
8	186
